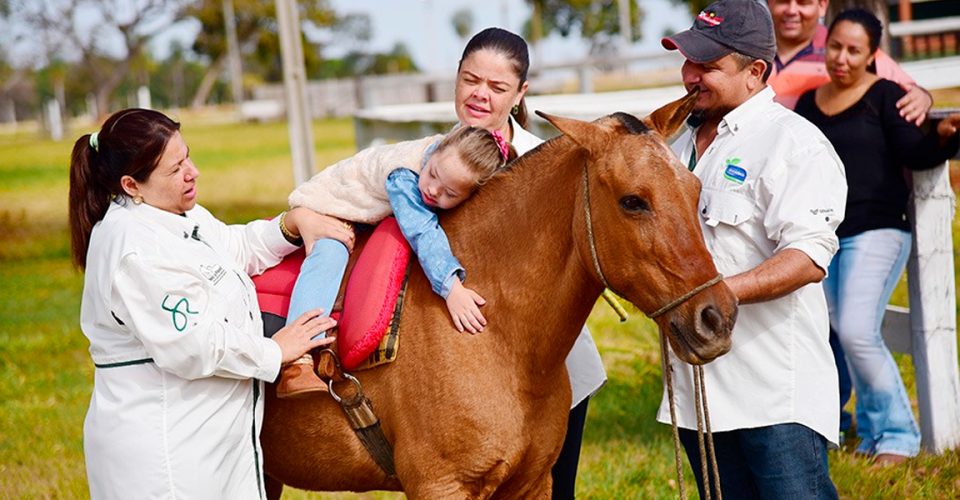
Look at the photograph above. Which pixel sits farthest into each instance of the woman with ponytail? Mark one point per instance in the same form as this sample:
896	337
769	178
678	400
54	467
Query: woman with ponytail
172	317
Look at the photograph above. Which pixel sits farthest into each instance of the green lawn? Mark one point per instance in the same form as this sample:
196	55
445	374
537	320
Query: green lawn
46	374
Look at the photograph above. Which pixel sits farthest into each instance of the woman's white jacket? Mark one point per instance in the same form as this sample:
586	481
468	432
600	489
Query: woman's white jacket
177	341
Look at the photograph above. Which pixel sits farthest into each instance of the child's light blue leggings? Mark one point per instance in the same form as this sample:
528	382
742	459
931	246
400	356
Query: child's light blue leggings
319	280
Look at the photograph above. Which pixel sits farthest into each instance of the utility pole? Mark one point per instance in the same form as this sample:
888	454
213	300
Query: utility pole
295	90
626	32
233	53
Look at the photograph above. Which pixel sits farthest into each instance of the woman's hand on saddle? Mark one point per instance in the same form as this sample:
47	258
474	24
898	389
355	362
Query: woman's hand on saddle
312	226
294	339
464	306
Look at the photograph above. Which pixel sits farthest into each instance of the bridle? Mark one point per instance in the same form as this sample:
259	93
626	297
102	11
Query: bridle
700	395
669	306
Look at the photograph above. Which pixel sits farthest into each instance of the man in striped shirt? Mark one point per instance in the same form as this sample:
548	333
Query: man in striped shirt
799	65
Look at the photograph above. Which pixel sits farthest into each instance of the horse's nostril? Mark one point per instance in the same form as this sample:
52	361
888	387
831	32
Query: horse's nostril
712	319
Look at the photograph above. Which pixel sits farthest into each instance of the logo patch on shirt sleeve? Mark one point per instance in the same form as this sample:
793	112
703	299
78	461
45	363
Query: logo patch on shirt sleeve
179	311
733	172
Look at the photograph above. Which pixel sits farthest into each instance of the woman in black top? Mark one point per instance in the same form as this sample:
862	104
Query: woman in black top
857	112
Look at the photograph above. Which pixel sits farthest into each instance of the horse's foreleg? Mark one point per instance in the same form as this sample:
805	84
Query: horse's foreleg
479	485
541	488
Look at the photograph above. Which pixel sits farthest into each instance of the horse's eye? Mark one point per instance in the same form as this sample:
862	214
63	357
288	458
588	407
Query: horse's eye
634	204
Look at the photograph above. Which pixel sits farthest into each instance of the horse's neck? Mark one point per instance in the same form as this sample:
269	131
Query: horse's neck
514	239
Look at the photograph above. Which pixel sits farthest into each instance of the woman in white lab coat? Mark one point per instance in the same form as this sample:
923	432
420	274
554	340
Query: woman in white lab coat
172	317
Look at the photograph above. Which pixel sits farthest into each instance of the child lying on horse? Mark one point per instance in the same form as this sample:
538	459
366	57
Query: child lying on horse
412	180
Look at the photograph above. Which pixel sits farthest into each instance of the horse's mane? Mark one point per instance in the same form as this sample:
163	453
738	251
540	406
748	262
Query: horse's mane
515	179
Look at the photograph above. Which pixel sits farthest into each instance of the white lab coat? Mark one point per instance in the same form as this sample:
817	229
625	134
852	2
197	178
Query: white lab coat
177	340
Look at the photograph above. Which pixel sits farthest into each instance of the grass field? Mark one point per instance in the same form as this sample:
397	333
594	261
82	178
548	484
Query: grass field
46	374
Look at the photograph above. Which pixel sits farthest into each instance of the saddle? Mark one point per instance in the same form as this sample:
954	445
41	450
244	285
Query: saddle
371	298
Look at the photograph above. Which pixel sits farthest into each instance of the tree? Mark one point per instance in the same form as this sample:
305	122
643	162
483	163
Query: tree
256	22
596	20
11	77
106	36
462	23
695	6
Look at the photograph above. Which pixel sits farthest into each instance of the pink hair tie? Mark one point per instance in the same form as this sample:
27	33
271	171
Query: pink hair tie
501	143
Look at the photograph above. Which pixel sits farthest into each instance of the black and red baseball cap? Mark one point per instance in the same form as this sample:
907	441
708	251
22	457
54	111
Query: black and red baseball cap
726	26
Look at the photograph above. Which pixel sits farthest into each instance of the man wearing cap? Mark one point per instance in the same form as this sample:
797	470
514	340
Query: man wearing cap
773	192
801	52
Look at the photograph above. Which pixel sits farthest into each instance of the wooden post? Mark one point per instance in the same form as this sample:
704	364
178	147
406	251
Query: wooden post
54	120
295	90
233	53
585	77
933	313
143	97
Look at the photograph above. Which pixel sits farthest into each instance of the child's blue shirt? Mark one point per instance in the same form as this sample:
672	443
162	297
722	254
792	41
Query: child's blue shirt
421	228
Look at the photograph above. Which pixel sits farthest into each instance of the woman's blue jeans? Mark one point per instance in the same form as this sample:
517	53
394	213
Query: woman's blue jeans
861	278
319	280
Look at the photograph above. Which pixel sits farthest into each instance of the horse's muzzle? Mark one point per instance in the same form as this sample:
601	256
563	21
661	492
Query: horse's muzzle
705	333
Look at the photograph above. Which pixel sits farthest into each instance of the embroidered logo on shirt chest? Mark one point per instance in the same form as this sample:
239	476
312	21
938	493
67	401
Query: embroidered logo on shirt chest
213	272
733	172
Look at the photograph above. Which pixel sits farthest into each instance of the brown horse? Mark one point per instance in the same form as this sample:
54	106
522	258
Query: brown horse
480	416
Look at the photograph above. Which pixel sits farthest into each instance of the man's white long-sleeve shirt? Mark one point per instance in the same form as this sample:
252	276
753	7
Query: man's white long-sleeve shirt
771	181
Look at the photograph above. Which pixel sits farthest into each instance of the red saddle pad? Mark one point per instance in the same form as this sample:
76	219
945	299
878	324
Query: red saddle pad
370	296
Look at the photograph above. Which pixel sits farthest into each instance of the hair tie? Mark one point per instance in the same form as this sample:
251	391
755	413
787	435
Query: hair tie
94	143
501	143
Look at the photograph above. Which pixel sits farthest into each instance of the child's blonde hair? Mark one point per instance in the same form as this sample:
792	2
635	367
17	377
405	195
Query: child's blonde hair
483	152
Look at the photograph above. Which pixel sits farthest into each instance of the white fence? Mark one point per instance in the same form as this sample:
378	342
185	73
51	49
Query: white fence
928	330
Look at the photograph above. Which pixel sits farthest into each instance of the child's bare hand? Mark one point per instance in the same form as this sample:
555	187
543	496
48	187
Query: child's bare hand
464	306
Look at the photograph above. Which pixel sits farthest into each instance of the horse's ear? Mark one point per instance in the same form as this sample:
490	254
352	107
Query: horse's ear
667	120
581	132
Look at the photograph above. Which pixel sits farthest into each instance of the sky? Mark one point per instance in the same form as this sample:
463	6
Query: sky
425	27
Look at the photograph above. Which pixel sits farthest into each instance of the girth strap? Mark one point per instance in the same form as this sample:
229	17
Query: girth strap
359	411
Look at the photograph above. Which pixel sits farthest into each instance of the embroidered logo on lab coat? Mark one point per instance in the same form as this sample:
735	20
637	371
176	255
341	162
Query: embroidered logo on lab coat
213	272
178	312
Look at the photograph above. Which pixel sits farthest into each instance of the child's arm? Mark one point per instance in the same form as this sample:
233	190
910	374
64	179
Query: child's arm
422	230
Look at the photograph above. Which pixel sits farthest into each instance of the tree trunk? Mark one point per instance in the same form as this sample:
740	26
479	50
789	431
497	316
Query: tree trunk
104	88
206	85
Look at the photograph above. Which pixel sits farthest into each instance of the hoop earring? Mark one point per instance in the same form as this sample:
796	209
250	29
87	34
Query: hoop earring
137	199
515	109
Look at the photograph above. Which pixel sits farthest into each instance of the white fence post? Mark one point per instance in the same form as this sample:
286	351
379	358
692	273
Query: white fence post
143	97
54	120
928	330
295	87
933	314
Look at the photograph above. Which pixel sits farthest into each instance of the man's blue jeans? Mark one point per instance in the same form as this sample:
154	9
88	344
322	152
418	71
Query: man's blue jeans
778	462
861	278
319	280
